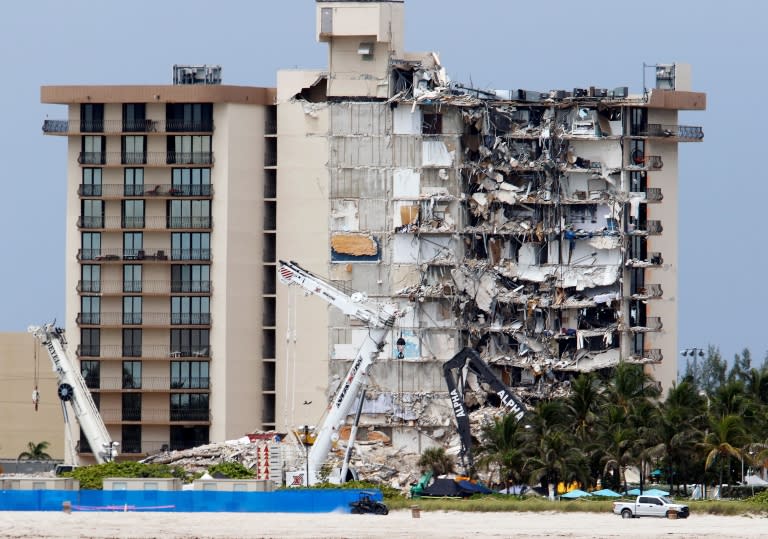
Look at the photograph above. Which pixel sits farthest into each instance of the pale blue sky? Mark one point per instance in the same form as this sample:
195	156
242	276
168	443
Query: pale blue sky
557	44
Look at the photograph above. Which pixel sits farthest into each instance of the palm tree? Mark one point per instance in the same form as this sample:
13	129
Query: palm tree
722	441
35	452
502	446
557	459
435	460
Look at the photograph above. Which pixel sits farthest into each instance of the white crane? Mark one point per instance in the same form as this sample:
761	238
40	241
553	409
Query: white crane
378	317
73	390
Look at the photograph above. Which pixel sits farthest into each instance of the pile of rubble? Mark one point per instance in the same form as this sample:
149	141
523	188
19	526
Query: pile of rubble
374	459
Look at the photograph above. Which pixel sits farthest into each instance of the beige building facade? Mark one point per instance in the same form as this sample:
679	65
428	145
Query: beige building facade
536	226
170	242
24	367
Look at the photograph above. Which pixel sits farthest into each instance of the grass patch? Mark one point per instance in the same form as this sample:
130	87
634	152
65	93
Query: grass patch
498	503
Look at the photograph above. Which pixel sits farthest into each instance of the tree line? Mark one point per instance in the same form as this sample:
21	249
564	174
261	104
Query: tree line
710	428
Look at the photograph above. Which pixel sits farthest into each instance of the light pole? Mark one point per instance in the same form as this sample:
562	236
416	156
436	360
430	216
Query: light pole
694	353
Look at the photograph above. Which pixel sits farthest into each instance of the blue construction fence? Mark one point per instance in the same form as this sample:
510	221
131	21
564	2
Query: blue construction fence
187	501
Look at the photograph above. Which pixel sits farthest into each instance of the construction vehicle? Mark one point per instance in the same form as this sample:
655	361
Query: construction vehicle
73	390
379	318
366	504
455	371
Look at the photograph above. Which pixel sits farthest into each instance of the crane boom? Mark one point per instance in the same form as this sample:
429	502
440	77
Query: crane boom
73	390
379	318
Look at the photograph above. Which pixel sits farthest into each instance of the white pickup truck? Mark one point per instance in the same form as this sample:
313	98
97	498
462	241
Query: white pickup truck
650	506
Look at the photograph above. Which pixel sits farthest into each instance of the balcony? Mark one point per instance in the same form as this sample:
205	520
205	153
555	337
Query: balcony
75	127
159	191
118	255
652	355
156	384
653	259
645	162
145	158
147	351
652	323
683	133
649	228
154	416
117	222
118	287
147	319
649	291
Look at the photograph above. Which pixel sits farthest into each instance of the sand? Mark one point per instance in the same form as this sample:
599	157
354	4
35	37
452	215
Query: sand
395	525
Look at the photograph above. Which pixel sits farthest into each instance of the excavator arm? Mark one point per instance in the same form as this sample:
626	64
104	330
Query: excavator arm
454	373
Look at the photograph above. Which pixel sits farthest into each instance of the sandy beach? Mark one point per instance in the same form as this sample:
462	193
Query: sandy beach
396	524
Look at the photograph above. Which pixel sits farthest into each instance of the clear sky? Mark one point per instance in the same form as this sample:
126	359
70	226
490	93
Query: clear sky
559	44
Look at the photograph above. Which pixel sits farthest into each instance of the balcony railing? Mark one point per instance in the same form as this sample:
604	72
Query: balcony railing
652	355
649	228
645	162
682	132
652	323
73	127
653	259
145	319
145	158
139	222
143	287
164	190
114	255
649	291
156	383
654	194
146	351
149	415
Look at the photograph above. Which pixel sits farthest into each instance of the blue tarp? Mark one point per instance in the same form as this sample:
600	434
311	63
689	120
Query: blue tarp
192	501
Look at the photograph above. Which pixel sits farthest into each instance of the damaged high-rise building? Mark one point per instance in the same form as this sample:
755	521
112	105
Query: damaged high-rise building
538	227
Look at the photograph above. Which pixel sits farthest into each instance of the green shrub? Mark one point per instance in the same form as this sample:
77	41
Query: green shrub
232	470
92	477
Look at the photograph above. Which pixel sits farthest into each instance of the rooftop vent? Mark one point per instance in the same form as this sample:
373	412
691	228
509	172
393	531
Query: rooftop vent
204	74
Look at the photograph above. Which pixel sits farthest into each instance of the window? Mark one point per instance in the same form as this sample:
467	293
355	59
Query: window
131	406
190	310
131	439
190	342
131	374
132	278
134	150
191	181
90	342
90	371
92	213
133	214
131	343
133	182
183	437
190	246
191	149
134	117
189	117
190	278
189	213
90	310
133	245
432	124
93	150
90	278
91	182
131	309
638	121
189	375
91	245
92	117
189	407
